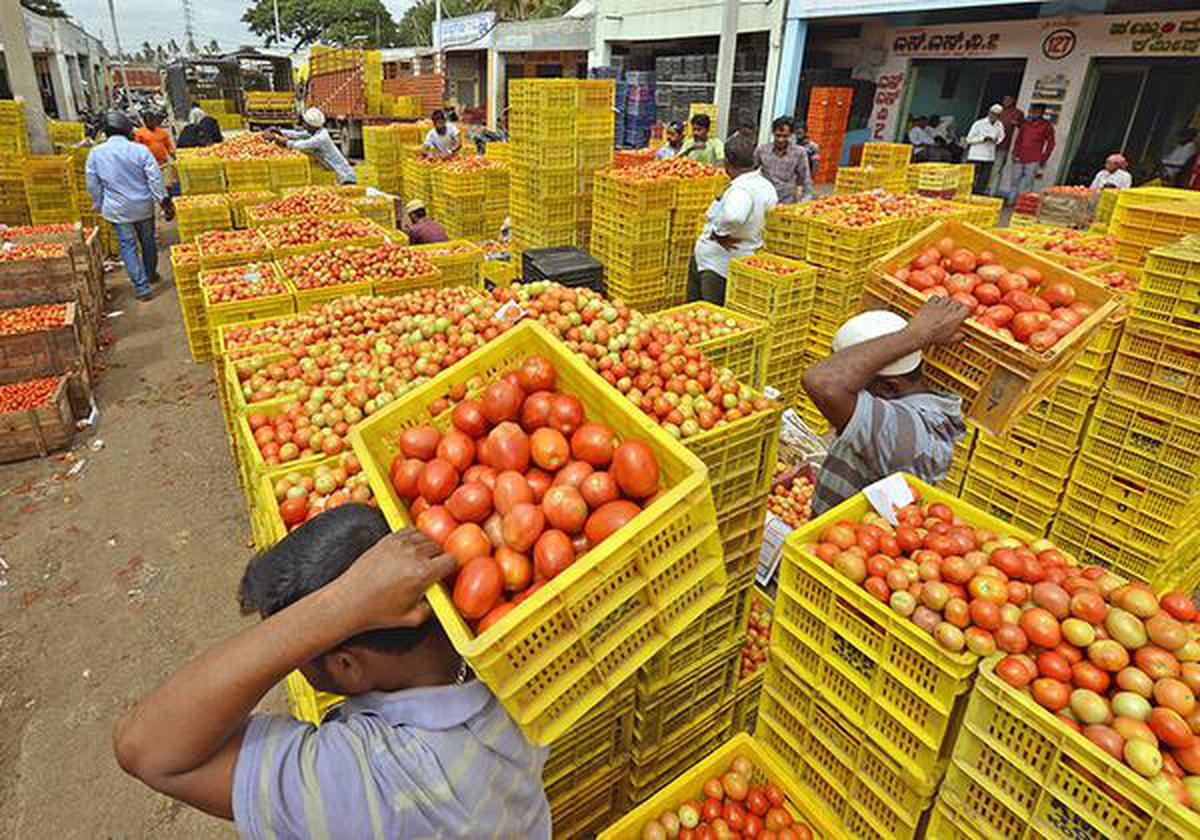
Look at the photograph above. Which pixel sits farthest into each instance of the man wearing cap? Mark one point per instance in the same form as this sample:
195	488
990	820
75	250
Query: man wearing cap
125	183
421	229
871	391
317	142
674	144
985	136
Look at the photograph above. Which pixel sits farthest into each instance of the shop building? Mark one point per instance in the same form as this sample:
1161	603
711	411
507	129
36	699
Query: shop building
69	64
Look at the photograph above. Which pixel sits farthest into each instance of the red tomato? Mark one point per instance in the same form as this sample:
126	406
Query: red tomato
522	526
599	488
436	523
511	490
465	543
457	448
552	554
1041	627
468	418
478	587
470	503
494	615
420	442
502	401
566	413
515	567
536	374
535	413
507	448
634	469
1054	666
437	481
1050	694
549	449
594	443
609	518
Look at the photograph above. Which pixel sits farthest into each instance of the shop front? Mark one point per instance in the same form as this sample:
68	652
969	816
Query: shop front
1110	83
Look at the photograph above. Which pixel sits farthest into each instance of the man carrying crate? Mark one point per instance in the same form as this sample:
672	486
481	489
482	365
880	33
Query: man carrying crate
871	391
420	749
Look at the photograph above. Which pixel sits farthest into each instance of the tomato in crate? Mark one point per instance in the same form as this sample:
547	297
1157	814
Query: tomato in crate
623	561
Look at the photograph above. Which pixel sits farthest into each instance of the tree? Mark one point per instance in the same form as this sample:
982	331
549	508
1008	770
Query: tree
45	8
303	22
416	25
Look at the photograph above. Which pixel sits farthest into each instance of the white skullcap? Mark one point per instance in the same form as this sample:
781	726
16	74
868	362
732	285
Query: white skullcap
314	117
873	324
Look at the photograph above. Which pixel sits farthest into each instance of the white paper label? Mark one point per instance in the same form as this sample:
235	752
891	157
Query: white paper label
775	531
509	312
771	393
888	495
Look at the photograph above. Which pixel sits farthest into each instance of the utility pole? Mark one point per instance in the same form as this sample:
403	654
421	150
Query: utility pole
437	36
726	55
112	14
189	30
278	35
21	76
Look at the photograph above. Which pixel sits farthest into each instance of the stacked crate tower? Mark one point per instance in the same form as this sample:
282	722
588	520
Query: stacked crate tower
828	113
50	189
14	145
1133	499
552	162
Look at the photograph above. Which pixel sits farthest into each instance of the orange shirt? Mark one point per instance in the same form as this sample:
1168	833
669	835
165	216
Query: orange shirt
158	141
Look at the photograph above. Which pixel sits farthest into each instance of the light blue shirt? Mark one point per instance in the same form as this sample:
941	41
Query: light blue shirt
124	180
323	148
428	762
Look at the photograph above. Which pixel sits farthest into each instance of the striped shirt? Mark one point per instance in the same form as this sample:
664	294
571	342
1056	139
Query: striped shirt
423	763
913	434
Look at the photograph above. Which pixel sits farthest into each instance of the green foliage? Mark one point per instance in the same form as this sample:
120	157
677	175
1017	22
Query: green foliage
45	8
364	23
416	26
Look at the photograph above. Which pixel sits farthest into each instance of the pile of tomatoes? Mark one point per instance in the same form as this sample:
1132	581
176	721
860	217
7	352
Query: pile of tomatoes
33	393
699	323
965	586
1088	249
186	254
242	282
31	319
758	636
301	497
316	201
18	251
519	487
773	265
1066	189
1119	279
355	264
791	500
310	231
1121	667
17	231
248	146
1010	301
231	243
678	167
731	806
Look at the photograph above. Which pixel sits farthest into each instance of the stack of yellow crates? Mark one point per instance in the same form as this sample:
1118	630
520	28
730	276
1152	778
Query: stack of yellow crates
693	195
558	129
1145	218
14	145
459	189
630	226
198	214
1133	501
381	150
495	199
50	189
781	292
892	160
64	132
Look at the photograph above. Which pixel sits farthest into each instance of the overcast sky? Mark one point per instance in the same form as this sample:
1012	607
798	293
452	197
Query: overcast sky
157	21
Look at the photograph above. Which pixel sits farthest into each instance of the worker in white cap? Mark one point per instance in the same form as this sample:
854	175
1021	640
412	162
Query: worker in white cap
871	390
985	136
421	229
317	142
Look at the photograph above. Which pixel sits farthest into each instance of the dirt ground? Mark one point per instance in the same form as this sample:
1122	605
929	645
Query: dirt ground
111	576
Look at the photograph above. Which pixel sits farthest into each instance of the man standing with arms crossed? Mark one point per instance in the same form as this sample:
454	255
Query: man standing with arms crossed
1032	148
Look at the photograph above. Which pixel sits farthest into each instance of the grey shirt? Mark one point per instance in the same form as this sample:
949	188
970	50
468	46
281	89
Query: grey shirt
428	762
787	172
322	147
913	434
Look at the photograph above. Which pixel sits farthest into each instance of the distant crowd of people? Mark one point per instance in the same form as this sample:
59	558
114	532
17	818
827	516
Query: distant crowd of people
1010	148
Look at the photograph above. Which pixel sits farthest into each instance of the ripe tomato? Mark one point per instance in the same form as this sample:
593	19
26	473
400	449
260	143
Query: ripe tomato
511	490
436	523
594	443
535	413
508	448
549	449
515	567
634	469
468	418
552	554
609	518
573	474
470	503
566	414
536	374
437	481
420	442
478	587
466	542
457	448
494	615
1041	627
565	508
522	526
501	401
599	488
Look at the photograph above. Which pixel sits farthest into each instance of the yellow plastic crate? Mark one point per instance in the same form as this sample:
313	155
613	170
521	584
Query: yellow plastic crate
874	796
198	175
1030	469
886	675
1161	448
1018	771
768	767
886	155
305	702
702	642
584	805
775	297
1172	568
287	172
249	246
613	608
1002	502
743	352
739	456
234	312
650	771
674	707
606	730
1154	367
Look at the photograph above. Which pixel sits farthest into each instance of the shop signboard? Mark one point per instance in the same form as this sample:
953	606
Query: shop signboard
472	32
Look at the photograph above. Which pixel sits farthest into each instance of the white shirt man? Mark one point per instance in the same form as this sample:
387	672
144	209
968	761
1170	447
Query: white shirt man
443	144
1120	180
985	134
740	214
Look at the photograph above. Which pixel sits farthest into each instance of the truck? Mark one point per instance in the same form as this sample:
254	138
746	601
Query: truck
252	84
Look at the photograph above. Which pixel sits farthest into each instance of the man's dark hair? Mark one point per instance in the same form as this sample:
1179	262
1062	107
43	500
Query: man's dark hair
783	122
739	151
314	555
418	214
701	121
439	114
117	122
